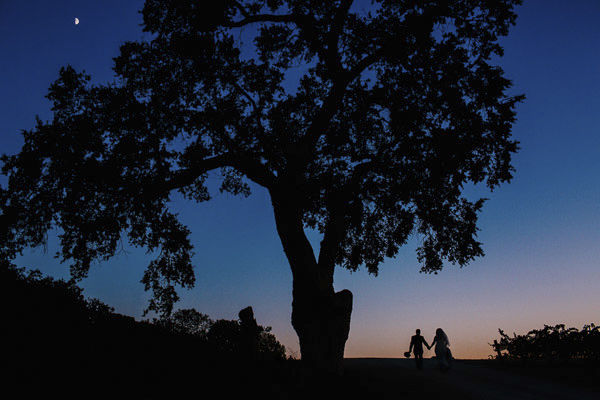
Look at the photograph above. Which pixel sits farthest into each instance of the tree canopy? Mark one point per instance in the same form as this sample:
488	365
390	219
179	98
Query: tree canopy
363	121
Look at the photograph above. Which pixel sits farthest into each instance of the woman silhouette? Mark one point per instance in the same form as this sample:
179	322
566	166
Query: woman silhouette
442	352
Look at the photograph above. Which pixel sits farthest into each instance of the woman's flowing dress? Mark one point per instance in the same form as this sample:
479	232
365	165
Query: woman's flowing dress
441	352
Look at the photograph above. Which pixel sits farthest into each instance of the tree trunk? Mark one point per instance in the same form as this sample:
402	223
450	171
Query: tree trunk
320	317
322	322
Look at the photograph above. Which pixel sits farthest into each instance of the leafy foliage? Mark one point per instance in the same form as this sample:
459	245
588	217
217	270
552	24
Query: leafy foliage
551	343
102	352
226	336
188	321
396	107
223	335
69	320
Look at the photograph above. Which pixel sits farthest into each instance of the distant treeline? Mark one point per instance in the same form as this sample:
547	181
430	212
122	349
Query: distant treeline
552	343
56	336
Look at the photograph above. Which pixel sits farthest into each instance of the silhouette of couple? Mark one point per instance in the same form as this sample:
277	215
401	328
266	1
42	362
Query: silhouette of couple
442	350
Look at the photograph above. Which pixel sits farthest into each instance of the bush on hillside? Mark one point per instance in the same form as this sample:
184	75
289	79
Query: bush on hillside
551	343
47	318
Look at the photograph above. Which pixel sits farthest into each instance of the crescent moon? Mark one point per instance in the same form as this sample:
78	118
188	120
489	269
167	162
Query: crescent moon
76	21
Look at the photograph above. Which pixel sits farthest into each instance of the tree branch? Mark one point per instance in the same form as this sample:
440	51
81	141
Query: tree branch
332	237
366	62
250	19
185	177
330	106
246	95
338	209
241	8
255	171
303	22
333	37
252	169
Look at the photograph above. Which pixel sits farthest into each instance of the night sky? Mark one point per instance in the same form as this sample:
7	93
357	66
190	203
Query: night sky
541	232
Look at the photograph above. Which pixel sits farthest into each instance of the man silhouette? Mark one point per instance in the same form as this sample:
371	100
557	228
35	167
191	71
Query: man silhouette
416	343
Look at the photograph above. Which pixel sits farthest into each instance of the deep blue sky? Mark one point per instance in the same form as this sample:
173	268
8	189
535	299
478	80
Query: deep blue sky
541	233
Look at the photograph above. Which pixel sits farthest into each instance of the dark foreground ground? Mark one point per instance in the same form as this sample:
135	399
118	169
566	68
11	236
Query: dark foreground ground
362	379
476	379
367	378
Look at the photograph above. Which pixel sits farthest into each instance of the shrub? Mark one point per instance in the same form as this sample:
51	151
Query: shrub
551	343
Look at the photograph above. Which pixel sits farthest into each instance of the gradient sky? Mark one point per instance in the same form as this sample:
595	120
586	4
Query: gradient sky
541	232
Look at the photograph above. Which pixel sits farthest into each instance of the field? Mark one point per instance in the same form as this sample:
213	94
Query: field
363	378
472	379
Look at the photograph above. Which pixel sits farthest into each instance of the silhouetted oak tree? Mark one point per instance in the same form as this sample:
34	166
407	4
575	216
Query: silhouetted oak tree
363	121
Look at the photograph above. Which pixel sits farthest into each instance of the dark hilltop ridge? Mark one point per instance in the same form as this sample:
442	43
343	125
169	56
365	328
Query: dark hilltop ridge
56	342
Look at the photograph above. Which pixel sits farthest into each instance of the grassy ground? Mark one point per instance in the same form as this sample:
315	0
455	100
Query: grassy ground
468	379
480	379
575	373
362	379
